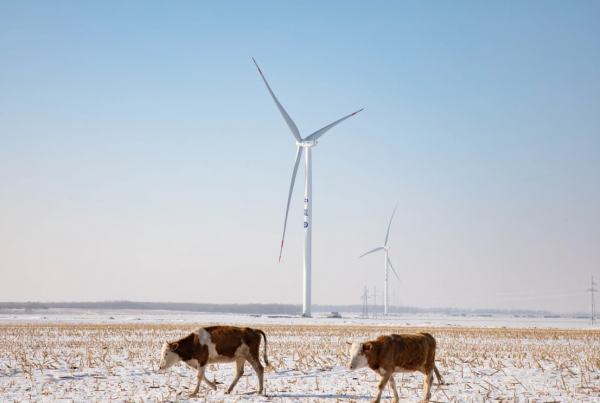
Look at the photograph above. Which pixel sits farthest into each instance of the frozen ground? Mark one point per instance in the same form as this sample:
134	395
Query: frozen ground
77	316
89	357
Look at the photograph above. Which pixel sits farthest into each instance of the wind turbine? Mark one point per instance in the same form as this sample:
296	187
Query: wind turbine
308	143
387	261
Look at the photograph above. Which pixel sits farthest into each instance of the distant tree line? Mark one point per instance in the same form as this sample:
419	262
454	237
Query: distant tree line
378	309
160	306
265	309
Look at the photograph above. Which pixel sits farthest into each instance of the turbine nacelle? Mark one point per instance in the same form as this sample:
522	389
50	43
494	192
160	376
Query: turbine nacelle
306	144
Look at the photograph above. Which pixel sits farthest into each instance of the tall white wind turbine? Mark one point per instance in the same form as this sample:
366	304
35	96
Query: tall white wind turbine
308	142
387	262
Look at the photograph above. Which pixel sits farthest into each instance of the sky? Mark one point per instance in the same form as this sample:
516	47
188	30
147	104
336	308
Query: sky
142	158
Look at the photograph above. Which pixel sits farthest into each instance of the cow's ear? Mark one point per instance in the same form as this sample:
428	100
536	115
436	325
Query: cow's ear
173	346
366	347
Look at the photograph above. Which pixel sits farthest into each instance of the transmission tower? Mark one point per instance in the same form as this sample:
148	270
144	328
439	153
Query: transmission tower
375	294
365	297
592	291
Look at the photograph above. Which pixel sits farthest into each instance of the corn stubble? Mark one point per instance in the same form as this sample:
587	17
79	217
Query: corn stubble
102	362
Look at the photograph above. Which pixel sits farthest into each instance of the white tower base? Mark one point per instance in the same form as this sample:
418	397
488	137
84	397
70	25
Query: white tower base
306	305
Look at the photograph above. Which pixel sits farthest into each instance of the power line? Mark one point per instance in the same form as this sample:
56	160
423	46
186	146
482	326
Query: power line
375	294
487	295
592	315
365	297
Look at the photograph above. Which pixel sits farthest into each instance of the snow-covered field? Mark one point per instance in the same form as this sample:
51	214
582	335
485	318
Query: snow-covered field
80	316
102	356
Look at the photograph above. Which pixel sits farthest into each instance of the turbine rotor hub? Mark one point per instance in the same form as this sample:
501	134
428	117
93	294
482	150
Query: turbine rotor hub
306	144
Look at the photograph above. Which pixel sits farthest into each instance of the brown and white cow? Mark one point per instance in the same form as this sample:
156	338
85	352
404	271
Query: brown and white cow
397	353
217	344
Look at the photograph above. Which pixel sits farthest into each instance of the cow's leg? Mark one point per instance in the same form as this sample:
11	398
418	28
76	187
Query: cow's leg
239	371
393	385
209	383
427	381
259	371
385	377
199	377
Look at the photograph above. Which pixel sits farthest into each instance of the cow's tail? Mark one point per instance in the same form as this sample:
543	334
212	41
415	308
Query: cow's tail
438	376
265	350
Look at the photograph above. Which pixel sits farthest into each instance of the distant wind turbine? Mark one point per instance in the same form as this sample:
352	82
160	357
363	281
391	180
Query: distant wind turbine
387	261
308	142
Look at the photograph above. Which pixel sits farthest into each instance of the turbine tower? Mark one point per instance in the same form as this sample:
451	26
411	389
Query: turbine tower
308	143
387	262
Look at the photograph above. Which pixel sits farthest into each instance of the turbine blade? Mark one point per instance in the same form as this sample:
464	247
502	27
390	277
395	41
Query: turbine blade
374	250
287	209
388	231
390	263
287	117
319	133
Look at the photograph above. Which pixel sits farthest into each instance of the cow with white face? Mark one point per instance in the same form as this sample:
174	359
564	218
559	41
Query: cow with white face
217	344
397	353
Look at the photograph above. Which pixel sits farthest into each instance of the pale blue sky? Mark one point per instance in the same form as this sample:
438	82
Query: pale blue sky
142	158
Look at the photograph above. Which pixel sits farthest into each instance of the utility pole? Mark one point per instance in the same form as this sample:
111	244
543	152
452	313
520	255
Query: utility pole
592	291
375	293
365	297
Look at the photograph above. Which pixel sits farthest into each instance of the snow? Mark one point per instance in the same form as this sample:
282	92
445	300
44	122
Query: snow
98	356
77	316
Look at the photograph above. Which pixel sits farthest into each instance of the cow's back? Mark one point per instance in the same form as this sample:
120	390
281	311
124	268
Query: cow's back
226	342
413	352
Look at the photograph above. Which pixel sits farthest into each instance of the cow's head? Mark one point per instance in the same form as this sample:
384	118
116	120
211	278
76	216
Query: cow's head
358	358
169	355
